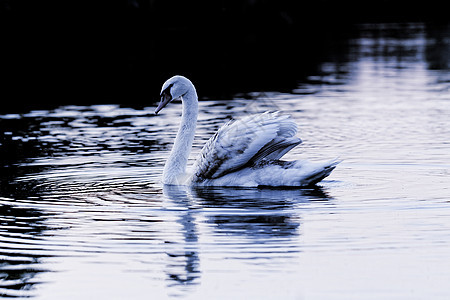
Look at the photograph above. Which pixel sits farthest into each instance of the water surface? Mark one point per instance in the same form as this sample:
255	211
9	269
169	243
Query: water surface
83	214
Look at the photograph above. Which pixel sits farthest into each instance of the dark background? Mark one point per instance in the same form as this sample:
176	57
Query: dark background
89	52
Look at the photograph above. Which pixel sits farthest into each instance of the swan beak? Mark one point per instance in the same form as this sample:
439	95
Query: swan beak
165	99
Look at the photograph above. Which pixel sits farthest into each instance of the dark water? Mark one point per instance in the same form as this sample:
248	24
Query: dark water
83	214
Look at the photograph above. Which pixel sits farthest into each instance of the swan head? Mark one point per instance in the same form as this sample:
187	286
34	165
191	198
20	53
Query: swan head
173	89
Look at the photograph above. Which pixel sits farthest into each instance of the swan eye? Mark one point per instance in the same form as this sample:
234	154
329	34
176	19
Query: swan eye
166	92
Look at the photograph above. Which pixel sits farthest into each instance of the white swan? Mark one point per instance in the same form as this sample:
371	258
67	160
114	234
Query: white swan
245	152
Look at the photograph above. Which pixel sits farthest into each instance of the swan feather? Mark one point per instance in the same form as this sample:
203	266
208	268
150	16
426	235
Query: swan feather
245	142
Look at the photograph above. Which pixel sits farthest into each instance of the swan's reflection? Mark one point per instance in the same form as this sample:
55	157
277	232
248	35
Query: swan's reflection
255	214
263	198
183	269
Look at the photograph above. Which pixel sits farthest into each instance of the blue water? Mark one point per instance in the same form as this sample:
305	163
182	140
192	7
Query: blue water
84	216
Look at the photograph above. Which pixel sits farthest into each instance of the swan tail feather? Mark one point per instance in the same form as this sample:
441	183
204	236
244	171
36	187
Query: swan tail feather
319	173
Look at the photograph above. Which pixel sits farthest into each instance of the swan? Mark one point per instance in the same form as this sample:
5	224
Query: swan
243	152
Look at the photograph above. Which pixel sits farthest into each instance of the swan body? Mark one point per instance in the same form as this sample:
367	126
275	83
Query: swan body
244	152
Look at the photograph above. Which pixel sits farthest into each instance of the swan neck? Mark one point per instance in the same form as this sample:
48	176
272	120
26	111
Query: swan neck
175	168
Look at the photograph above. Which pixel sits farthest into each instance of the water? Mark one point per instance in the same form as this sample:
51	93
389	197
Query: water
84	216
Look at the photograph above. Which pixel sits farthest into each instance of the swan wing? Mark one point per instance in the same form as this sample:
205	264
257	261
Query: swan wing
245	142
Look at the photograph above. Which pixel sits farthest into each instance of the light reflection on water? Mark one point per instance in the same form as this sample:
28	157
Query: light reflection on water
83	214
